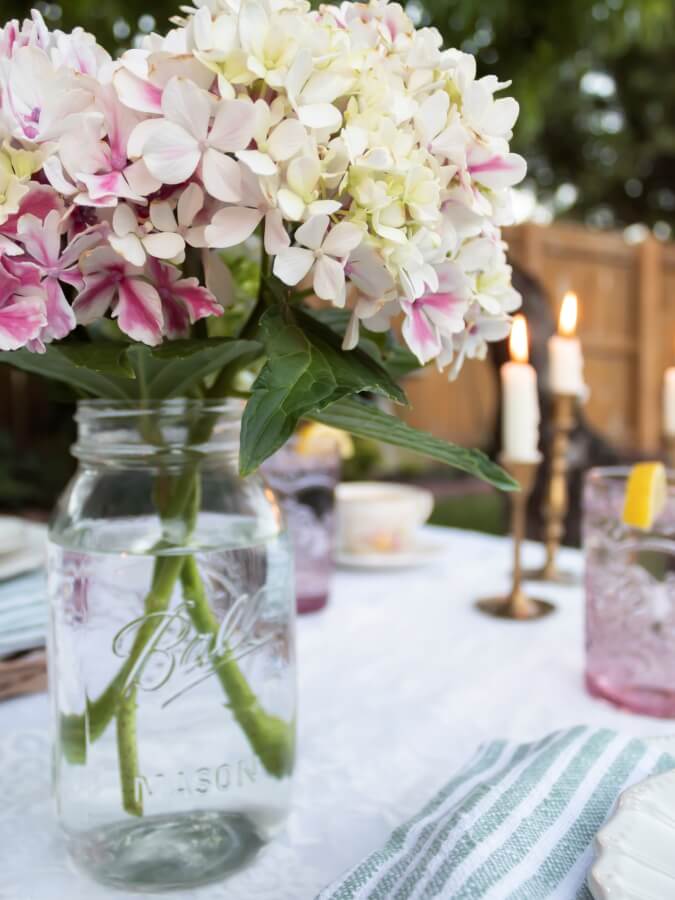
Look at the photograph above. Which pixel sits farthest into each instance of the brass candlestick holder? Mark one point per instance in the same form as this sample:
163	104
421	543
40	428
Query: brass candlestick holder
556	505
517	605
670	450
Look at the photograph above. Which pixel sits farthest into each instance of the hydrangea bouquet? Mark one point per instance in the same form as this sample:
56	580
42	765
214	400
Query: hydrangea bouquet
367	167
243	207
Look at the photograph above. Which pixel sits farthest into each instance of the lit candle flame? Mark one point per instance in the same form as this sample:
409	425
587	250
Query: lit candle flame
519	342
567	323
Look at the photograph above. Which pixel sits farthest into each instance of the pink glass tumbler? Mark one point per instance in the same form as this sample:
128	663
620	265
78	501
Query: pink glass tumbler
630	599
305	486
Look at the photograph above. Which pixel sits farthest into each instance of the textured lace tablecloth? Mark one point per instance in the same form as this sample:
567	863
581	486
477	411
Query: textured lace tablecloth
399	680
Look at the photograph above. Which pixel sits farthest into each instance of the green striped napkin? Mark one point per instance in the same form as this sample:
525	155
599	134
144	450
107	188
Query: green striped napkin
516	823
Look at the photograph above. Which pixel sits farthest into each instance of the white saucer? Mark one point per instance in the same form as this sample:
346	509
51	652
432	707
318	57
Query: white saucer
425	552
636	848
29	556
12	534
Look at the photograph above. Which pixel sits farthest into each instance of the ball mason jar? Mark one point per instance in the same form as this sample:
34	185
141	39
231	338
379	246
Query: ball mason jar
171	648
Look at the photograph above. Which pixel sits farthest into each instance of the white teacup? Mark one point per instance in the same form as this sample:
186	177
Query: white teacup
379	517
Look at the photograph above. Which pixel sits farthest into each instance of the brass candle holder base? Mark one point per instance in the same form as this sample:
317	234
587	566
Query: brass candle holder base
518	605
555	508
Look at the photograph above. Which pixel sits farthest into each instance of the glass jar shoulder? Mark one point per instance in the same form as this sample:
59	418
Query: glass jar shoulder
141	511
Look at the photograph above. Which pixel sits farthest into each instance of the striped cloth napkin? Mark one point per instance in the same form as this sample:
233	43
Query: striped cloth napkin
516	823
23	613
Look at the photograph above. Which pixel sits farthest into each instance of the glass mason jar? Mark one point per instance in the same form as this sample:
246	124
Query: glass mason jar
171	648
630	599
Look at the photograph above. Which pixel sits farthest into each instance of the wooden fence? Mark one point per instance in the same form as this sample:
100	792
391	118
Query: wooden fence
627	327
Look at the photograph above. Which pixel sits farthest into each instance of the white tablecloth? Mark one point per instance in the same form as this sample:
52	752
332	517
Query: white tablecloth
400	678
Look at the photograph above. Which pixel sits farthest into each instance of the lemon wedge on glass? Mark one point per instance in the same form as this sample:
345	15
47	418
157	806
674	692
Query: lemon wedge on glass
315	439
646	495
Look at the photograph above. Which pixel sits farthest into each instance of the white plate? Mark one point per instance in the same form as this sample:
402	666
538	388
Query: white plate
636	848
12	534
30	556
425	552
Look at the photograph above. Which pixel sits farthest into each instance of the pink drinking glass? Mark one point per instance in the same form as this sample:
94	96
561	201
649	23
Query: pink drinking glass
630	599
305	486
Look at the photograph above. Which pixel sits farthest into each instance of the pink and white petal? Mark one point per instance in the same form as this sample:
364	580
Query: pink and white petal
199	302
253	25
187	105
164	245
109	184
9	283
303	175
196	237
139	179
231	226
140	135
503	115
124	221
299	72
293	264
162	216
234	126
495	170
432	116
129	248
60	316
329	280
452	279
323	207
221	176
21	321
70	257
94	301
176	317
53	170
171	154
103	258
137	93
351	338
445	310
139	311
319	116
258	162
39	202
291	205
9	248
287	139
103	203
342	239
190	204
276	236
312	233
41	238
419	334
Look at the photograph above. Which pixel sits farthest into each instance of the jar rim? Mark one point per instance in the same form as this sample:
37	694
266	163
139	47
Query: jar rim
159	430
618	475
100	408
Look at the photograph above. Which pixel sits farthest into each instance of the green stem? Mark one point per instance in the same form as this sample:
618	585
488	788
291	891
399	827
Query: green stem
272	739
127	752
78	731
